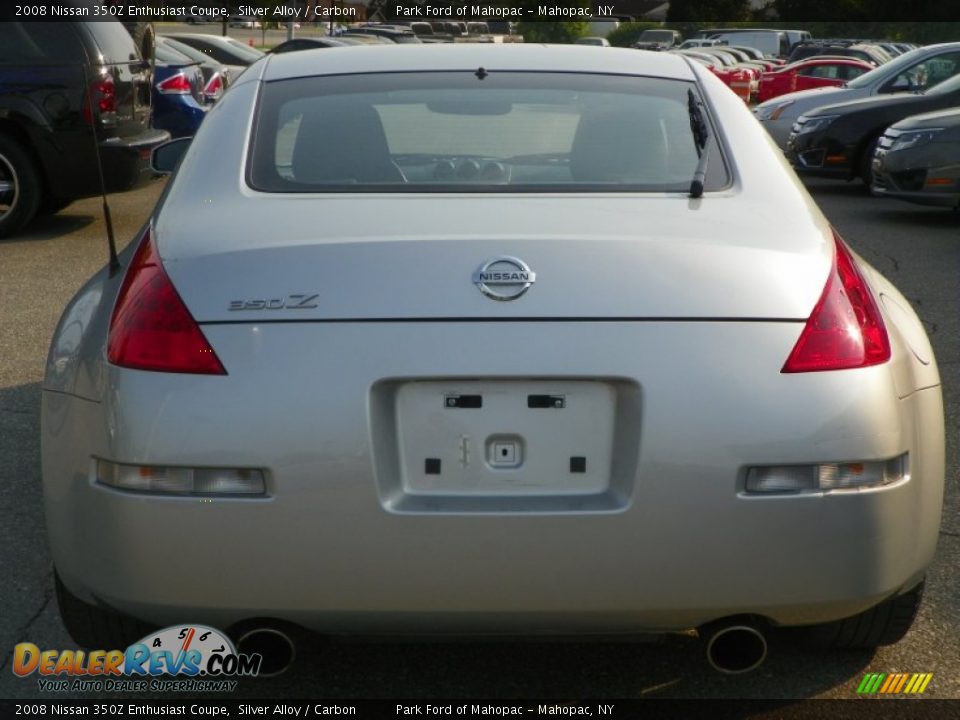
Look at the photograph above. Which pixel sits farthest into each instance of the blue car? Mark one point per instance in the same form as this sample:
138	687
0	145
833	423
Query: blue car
179	104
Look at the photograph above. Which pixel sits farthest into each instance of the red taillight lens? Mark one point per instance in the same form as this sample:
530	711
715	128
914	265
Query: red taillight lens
103	95
151	328
214	88
175	85
845	329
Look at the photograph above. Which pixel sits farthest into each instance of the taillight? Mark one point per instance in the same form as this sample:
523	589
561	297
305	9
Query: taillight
214	88
151	328
845	329
175	85
103	96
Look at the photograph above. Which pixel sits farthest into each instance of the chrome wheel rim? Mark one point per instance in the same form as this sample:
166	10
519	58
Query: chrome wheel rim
9	187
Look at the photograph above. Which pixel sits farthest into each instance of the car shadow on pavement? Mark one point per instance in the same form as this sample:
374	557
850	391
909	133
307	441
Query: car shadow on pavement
674	668
49	227
27	588
904	214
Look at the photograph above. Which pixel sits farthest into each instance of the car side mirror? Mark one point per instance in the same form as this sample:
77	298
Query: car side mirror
166	157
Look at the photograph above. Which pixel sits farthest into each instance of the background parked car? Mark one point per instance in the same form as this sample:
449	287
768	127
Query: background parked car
726	68
216	76
397	34
226	50
772	43
822	71
657	40
598	41
67	91
179	105
912	71
312	43
918	159
838	140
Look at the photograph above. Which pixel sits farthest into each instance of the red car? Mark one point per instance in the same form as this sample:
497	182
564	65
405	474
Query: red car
819	71
740	79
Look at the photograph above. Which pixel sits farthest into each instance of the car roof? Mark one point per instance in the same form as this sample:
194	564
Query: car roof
471	56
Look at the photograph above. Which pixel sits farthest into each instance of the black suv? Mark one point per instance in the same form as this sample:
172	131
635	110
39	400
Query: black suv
68	92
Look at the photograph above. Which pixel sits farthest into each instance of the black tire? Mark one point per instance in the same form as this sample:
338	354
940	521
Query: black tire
51	205
22	186
143	36
94	627
884	624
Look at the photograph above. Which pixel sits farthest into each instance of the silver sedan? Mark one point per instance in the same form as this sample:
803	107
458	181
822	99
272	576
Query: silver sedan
491	339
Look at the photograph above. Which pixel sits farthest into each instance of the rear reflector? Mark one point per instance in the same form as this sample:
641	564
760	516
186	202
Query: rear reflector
214	88
151	328
845	329
827	476
181	480
102	93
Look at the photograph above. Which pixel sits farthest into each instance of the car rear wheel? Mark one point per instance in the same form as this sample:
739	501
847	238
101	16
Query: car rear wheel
96	627
884	624
20	186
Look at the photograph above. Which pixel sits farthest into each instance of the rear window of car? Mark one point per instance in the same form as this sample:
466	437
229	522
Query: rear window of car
475	131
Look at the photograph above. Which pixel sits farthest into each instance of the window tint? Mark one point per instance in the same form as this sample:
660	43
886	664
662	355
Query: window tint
169	55
39	43
852	71
828	72
515	132
935	70
888	70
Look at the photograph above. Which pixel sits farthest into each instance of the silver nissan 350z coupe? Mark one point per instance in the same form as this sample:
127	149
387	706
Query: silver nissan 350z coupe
487	339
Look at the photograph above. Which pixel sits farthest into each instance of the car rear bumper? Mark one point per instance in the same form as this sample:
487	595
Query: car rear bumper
126	161
330	547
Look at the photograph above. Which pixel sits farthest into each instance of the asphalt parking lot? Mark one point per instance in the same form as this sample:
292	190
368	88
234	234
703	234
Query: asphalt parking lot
917	248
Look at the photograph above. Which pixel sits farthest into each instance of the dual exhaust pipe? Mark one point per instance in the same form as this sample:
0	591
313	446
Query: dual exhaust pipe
732	647
273	645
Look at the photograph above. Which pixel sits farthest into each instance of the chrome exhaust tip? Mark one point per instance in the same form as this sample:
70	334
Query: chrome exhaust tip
736	648
275	647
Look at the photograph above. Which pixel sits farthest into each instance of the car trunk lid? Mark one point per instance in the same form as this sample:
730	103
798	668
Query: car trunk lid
289	258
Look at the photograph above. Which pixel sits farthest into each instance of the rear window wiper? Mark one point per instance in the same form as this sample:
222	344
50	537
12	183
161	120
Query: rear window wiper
703	140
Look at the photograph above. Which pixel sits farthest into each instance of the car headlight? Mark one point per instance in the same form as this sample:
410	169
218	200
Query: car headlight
914	138
771	111
811	124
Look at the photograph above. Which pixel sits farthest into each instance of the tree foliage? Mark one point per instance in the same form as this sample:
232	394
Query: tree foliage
553	32
628	32
542	31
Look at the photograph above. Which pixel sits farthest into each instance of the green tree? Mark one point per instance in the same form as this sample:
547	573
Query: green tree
541	31
628	32
553	32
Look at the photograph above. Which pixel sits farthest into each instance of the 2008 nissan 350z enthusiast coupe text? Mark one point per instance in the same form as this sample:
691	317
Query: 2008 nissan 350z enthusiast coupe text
485	339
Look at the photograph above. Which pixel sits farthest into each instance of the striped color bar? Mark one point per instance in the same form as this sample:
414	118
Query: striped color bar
895	683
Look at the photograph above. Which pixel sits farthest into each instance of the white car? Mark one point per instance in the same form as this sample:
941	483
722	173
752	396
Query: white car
490	339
